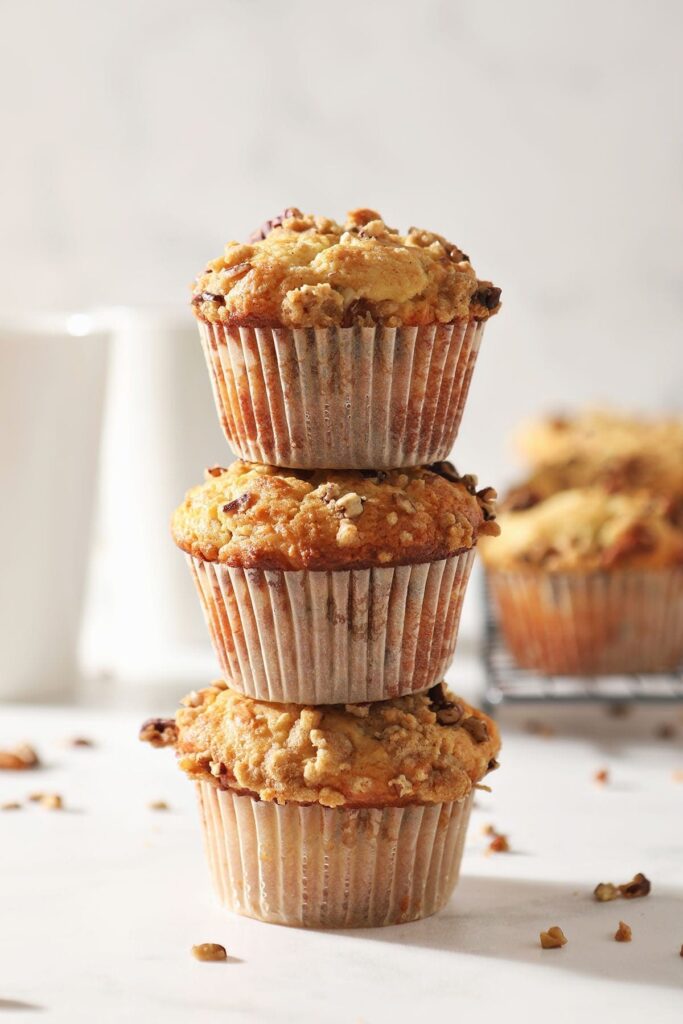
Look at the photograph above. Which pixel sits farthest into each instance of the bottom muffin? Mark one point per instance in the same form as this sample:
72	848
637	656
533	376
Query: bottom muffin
335	816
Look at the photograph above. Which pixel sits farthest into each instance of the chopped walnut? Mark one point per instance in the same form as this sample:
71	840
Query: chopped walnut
160	732
347	534
638	886
604	892
158	805
601	776
19	758
214	471
403	785
554	938
351	504
403	502
477	729
623	932
209	951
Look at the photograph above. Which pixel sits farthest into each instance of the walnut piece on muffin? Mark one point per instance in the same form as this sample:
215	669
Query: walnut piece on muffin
586	529
300	270
256	516
397	752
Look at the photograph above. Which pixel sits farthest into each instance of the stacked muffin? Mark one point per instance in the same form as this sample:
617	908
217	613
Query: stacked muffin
588	577
334	771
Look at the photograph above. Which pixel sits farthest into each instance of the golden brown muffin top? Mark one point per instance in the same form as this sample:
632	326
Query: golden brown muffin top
256	516
299	270
596	438
586	529
424	748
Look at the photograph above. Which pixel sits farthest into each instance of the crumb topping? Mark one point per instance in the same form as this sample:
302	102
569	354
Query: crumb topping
257	516
300	270
587	528
392	752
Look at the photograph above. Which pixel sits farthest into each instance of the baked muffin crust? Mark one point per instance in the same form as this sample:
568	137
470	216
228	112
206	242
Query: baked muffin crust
255	516
586	529
424	748
299	270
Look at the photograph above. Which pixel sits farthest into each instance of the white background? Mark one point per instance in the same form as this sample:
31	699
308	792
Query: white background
546	138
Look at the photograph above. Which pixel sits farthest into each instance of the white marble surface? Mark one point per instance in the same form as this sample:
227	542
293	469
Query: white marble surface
100	904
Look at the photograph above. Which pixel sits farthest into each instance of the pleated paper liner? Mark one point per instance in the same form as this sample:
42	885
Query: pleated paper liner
341	397
592	623
320	867
333	637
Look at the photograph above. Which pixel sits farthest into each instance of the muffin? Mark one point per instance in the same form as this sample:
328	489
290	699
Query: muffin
345	346
324	586
335	816
590	582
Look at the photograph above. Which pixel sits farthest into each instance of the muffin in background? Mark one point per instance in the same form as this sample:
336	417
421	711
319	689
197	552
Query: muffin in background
323	586
341	345
342	816
589	582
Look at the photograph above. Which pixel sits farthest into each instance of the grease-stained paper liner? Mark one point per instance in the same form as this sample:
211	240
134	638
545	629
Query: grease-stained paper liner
323	867
341	636
592	623
341	397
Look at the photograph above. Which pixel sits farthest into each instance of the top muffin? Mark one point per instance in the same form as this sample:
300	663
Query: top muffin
299	270
256	516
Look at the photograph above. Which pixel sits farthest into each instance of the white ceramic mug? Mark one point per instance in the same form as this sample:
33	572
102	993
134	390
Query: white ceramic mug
51	386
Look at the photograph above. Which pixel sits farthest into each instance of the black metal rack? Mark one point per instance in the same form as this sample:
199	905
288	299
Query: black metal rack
507	683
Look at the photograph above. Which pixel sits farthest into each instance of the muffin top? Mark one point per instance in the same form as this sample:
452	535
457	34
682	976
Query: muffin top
596	438
585	529
424	748
299	270
255	516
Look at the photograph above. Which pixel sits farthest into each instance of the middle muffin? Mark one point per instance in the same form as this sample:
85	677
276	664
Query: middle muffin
326	586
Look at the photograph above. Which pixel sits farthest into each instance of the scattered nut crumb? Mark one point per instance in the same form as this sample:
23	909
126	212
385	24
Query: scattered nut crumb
623	932
638	886
11	805
677	775
554	938
52	802
605	891
158	805
209	951
160	732
350	504
499	844
601	776
537	728
80	741
19	758
489	830
666	731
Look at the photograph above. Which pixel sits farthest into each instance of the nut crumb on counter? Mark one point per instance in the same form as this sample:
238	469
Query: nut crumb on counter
209	951
158	805
11	805
638	886
601	776
19	758
623	932
554	938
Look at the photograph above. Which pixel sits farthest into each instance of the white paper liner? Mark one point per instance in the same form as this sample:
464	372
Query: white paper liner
628	620
343	397
333	637
322	867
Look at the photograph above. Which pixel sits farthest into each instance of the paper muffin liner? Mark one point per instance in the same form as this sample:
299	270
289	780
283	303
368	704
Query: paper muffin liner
341	397
321	867
592	623
342	636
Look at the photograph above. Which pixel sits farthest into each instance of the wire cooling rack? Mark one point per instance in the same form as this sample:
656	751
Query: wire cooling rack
507	683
